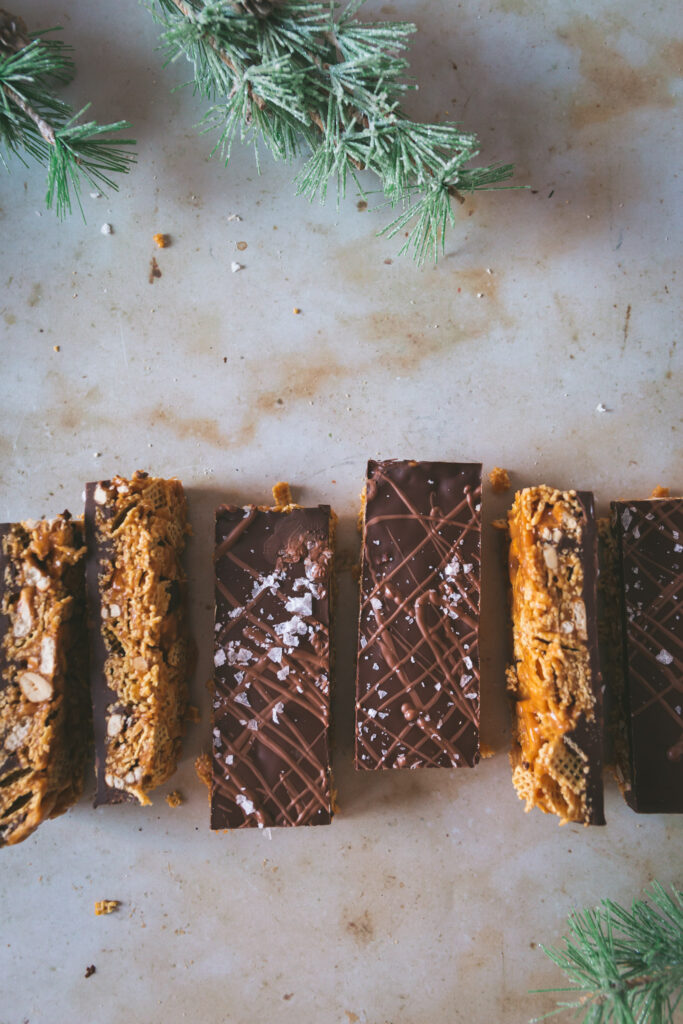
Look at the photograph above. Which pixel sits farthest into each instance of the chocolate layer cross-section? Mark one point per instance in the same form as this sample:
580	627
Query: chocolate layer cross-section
44	705
271	708
554	679
140	651
417	685
649	538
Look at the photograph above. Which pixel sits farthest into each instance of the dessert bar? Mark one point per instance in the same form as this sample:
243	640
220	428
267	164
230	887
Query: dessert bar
417	684
554	679
44	705
271	708
140	652
649	542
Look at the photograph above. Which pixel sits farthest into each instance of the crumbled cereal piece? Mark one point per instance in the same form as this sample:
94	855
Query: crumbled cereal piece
499	479
282	495
162	241
202	767
106	906
175	799
89	971
660	492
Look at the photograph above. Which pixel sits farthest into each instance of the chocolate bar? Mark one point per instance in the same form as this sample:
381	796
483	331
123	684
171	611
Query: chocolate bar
649	537
554	679
140	650
44	705
417	684
271	708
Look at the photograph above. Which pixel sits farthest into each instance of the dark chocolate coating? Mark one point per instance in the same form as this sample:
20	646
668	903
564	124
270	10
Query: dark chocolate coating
417	684
271	706
97	553
589	734
650	548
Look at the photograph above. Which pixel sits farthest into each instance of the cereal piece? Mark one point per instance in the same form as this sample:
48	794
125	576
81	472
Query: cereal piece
175	799
499	479
660	492
162	241
106	906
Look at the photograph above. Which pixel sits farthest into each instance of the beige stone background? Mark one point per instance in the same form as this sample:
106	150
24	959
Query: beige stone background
425	902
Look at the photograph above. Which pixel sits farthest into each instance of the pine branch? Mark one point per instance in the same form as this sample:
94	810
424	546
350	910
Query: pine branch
307	77
36	122
628	964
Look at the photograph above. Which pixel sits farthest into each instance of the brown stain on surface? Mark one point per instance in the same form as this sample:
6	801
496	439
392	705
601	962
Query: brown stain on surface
35	294
196	427
361	928
612	86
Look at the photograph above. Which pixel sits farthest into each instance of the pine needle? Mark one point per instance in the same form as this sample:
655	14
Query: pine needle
310	78
625	965
35	122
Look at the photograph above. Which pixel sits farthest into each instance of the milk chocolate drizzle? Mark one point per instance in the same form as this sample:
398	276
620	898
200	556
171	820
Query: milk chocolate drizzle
418	665
271	705
650	535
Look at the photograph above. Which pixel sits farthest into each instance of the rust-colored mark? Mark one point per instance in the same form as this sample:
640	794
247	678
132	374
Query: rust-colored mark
154	270
361	928
197	427
241	246
627	322
612	86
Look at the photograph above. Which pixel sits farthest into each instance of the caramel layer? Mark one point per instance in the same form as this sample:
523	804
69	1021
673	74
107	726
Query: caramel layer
554	679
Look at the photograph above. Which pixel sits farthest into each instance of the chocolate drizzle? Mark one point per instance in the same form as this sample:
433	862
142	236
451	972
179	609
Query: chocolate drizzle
417	691
271	705
650	546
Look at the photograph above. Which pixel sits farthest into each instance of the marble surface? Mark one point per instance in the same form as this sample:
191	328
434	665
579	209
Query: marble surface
425	901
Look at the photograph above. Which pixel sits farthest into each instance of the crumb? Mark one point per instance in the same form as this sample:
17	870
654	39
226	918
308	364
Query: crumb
499	479
56	348
660	492
89	971
388	261
361	205
106	229
486	750
288	995
282	495
234	216
192	714
106	906
153	270
202	767
499	524
175	799
241	246
234	267
162	241
95	195
601	407
296	311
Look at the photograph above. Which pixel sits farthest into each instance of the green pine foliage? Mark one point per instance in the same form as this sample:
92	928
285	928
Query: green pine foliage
309	77
35	122
626	966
